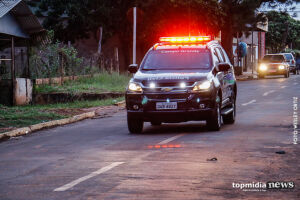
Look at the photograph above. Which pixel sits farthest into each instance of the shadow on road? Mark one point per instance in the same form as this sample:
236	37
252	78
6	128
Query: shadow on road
170	128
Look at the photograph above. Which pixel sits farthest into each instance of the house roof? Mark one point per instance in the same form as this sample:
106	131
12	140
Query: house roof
22	15
7	5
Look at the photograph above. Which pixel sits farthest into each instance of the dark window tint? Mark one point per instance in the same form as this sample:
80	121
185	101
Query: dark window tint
177	59
288	57
273	58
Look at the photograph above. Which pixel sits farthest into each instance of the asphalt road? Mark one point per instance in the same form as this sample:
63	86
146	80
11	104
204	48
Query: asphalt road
99	159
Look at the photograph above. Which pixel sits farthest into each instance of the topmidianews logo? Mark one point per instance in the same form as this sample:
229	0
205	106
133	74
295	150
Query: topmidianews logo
263	187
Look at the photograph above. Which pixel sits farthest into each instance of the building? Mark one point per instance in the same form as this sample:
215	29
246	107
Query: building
19	27
256	48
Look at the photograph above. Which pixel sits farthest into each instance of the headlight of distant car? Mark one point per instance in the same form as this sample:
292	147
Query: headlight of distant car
263	67
202	86
134	87
281	67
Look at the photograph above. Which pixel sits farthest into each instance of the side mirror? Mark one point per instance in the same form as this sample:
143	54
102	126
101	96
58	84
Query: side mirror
224	67
133	68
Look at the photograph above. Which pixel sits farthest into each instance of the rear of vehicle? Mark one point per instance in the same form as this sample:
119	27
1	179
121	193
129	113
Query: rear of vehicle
273	64
291	62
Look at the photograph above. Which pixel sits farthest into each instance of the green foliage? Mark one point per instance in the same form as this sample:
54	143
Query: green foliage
103	82
283	30
45	60
75	19
21	116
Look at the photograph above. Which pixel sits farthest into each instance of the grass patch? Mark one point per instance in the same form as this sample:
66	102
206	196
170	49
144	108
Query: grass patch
103	82
22	116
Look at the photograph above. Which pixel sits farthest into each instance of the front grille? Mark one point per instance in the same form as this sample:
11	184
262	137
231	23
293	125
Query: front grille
273	66
168	84
167	96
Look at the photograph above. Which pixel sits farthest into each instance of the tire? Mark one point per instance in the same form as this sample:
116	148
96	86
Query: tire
134	125
287	74
230	118
261	76
215	120
155	123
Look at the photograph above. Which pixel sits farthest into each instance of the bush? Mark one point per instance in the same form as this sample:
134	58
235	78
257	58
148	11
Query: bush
47	59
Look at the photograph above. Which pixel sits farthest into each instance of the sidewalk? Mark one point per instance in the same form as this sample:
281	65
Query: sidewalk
247	76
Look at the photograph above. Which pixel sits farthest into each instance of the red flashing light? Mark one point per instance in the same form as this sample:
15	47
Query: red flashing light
183	40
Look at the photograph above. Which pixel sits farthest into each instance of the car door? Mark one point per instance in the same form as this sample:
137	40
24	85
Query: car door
219	75
229	75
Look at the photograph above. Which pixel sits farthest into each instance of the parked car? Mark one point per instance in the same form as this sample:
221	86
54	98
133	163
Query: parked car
273	64
291	61
298	64
182	79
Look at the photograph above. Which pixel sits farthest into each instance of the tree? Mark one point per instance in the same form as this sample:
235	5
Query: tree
73	19
240	13
283	30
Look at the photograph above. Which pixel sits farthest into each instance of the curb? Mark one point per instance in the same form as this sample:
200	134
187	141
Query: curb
121	103
247	78
37	127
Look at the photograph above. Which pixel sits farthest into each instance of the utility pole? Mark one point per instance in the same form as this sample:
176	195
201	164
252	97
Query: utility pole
134	36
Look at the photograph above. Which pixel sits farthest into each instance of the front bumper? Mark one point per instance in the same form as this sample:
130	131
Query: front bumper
273	72
171	116
190	106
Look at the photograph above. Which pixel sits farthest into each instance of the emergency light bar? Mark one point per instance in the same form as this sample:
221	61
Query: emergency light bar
184	40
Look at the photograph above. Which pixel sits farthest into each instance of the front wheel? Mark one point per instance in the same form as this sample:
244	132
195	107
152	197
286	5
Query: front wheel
230	118
287	75
214	122
261	76
134	125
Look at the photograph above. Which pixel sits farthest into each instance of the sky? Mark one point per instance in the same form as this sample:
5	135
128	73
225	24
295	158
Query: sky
289	9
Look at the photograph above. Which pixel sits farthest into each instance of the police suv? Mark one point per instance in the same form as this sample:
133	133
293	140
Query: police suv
182	79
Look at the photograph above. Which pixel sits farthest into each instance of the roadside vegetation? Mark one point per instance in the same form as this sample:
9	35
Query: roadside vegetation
103	82
22	116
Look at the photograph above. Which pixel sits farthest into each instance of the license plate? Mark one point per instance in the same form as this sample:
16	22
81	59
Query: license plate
166	105
272	70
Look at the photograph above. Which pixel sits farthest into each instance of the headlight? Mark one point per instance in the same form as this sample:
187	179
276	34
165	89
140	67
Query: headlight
281	67
202	86
134	87
263	67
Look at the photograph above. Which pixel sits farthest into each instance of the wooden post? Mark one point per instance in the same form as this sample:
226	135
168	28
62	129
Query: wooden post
111	65
12	70
100	40
61	67
28	63
117	65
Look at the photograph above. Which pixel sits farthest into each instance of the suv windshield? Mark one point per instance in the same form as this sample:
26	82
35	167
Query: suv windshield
273	58
175	59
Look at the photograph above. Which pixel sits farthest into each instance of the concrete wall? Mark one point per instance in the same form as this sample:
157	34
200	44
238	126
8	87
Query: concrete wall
23	91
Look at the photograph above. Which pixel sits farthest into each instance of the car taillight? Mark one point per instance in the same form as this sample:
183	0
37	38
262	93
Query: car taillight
293	62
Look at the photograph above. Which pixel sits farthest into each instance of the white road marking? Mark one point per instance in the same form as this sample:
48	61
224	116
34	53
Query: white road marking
267	93
170	139
295	83
252	101
282	87
91	175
